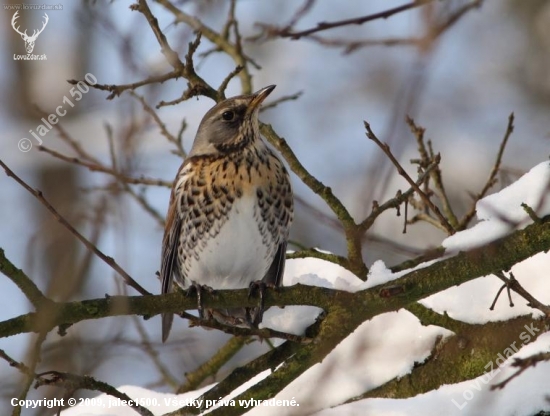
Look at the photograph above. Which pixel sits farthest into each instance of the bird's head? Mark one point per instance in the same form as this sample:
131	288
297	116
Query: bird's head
230	125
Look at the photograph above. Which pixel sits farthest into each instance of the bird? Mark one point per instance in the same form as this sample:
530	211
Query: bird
230	211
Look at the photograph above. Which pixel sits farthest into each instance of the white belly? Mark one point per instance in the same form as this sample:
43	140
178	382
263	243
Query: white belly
236	256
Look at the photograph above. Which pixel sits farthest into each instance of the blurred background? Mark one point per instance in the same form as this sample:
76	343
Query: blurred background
459	78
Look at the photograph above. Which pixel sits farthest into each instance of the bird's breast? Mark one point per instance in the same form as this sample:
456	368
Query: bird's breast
234	218
233	253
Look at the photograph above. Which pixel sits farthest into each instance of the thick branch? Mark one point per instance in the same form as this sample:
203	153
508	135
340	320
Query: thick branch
499	255
346	311
472	352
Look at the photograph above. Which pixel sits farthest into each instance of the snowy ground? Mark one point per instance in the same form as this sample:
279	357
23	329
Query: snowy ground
388	346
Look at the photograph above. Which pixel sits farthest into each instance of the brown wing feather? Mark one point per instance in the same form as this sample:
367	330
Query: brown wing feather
276	271
169	265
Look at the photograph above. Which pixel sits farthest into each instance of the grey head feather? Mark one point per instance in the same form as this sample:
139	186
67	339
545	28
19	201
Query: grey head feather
228	121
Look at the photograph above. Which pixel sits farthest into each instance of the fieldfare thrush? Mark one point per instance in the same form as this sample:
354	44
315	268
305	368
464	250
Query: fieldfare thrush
230	211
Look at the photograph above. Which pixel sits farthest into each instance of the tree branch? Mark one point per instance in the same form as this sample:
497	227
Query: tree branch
87	243
27	286
288	33
386	149
73	382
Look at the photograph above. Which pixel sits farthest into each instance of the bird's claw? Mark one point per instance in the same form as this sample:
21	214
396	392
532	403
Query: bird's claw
260	287
199	289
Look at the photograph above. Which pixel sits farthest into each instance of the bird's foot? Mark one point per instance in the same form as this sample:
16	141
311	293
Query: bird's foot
199	290
256	314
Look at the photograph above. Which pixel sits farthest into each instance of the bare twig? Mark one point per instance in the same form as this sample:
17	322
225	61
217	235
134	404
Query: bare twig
278	101
23	282
109	260
142	201
398	199
353	238
213	365
513	284
196	85
153	354
164	131
116	90
69	140
523	364
386	149
217	39
350	46
492	176
288	33
73	382
262	333
170	55
313	252
227	79
15	364
94	167
34	359
455	17
426	156
531	212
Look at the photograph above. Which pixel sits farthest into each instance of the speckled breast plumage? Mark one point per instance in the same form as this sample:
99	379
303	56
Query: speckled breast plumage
234	211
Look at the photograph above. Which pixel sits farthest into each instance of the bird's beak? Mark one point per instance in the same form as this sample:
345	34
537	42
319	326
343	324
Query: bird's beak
259	96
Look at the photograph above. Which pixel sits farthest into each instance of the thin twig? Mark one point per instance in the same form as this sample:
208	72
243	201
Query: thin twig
523	364
142	201
227	79
23	282
210	368
217	39
69	140
426	156
513	284
287	33
73	382
109	260
93	167
163	130
313	252
351	46
116	90
153	354
262	333
15	364
398	199
386	149
491	180
170	55
34	359
283	99
196	85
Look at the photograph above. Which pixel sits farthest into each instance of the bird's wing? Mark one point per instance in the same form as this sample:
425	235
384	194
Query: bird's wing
275	272
169	264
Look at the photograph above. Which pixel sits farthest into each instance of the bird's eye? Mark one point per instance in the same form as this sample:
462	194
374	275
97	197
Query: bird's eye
228	115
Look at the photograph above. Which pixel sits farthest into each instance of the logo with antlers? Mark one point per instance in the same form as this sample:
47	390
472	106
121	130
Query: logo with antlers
29	40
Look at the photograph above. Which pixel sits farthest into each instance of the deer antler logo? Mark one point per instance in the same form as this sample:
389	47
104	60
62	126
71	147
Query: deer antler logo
29	40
